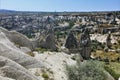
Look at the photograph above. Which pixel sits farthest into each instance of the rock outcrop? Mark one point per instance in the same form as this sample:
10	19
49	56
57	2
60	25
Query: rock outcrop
11	69
71	42
85	44
5	78
18	38
9	50
55	64
102	38
108	41
14	62
48	41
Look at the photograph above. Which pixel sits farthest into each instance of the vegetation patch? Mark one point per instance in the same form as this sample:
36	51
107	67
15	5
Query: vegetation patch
114	69
89	70
45	76
41	50
31	54
111	56
97	46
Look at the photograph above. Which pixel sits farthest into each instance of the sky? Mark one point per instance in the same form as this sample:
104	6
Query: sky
60	5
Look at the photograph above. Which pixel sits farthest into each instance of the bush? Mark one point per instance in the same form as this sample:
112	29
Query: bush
89	70
45	75
71	24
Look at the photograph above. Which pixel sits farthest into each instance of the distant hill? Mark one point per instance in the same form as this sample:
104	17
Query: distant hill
6	11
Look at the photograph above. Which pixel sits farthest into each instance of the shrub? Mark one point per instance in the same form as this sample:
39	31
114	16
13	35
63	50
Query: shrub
89	70
45	75
119	41
97	46
71	24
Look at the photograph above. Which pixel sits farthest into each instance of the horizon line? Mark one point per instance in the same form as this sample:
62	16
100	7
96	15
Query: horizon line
60	11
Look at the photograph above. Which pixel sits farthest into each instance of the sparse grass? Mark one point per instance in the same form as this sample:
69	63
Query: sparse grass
114	69
112	56
31	54
41	49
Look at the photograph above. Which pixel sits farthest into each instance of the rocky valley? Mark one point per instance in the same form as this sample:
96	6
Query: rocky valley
59	45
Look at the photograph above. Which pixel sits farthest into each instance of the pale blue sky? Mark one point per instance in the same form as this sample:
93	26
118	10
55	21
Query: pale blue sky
60	5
